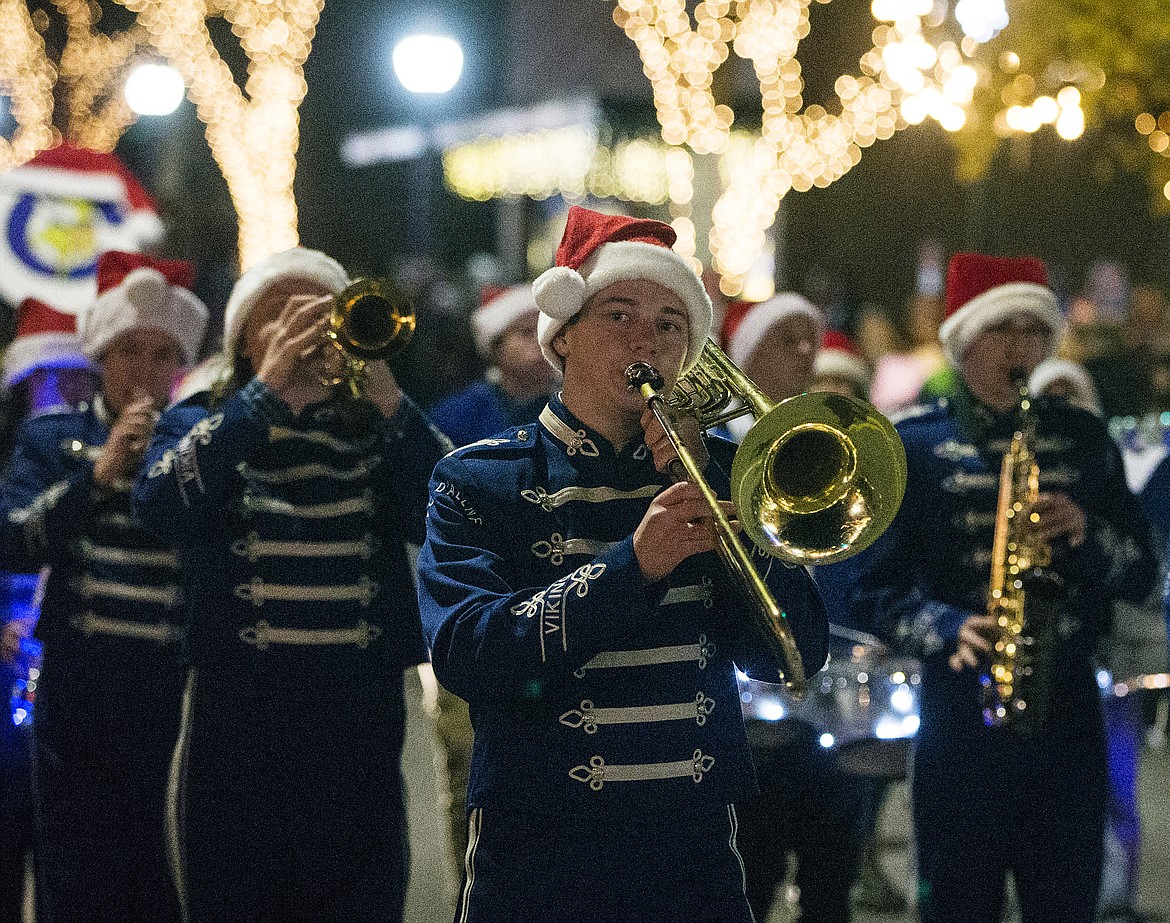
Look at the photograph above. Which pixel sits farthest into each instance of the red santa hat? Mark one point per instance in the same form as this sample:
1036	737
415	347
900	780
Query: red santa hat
498	310
598	250
67	171
839	358
983	291
298	263
139	291
44	337
746	323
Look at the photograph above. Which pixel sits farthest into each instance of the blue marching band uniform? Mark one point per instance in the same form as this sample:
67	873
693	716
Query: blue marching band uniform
987	800
303	617
107	712
609	742
287	788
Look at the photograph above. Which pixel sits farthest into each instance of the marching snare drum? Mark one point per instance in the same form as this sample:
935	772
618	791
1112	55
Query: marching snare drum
864	703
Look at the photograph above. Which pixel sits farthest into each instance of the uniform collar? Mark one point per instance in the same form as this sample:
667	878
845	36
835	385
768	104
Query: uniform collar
584	444
978	419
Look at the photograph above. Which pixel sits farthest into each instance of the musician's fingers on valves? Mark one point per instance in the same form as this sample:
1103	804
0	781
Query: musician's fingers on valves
1058	516
976	636
687	427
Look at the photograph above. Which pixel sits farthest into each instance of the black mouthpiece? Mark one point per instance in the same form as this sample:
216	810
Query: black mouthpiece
643	373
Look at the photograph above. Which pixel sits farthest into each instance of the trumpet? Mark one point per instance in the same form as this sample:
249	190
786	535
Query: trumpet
817	479
370	319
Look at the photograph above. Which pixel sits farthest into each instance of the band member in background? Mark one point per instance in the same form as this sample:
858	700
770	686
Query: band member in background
807	804
517	385
993	800
840	369
1135	644
107	710
570	596
286	790
44	369
518	381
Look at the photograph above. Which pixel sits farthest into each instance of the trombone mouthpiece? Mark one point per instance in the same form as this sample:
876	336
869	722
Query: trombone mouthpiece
643	373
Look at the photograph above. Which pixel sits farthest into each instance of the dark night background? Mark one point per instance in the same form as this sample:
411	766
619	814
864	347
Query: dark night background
1069	203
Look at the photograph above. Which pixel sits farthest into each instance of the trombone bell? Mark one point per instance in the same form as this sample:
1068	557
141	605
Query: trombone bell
818	478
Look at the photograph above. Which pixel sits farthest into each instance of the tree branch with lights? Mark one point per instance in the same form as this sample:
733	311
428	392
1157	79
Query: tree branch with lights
27	77
1090	65
252	131
74	93
904	79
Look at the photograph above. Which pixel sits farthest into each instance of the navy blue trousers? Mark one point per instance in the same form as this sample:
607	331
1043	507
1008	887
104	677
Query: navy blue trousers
807	805
543	868
100	788
292	810
990	804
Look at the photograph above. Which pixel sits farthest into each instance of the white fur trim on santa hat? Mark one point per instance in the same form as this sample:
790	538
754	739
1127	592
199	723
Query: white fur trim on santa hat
767	314
143	299
297	263
61	183
561	292
994	306
1084	392
490	320
54	349
836	363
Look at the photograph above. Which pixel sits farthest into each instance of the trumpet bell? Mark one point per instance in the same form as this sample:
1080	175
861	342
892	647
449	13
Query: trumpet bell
818	478
371	320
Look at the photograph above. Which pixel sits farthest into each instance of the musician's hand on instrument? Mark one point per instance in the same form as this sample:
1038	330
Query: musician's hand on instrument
382	388
662	449
976	637
294	358
128	441
677	525
1060	517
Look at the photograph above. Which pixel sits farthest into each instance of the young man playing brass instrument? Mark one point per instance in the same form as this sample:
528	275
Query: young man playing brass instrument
1006	783
569	593
292	522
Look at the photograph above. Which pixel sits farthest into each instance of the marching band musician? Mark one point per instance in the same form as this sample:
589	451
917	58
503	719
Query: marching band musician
286	790
111	620
989	800
570	597
807	803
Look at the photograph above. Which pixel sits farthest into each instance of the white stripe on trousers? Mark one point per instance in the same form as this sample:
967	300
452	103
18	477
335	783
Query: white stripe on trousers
734	818
176	798
474	826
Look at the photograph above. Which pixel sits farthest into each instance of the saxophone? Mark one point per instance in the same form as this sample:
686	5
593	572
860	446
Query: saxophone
1021	592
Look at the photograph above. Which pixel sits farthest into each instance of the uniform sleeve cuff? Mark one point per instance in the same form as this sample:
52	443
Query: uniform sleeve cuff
266	405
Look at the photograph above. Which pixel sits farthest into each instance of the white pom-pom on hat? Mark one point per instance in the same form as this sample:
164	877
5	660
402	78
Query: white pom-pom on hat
137	291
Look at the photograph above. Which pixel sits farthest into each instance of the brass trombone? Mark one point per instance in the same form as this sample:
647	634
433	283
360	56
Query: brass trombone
370	319
817	478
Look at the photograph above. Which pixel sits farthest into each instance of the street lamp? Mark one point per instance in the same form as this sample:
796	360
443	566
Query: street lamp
428	63
154	89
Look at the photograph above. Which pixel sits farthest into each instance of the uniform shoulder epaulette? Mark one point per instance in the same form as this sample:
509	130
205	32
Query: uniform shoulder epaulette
921	411
501	444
